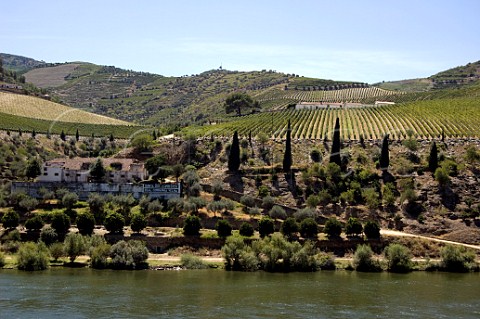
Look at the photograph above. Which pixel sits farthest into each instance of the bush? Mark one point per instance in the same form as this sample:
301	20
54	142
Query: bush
96	203
246	229
32	256
129	255
371	198
456	258
85	223
48	235
303	213
69	200
2	259
114	222
268	202
266	226
224	229
263	191
363	259
316	155
232	252
399	258
35	223
277	212
289	227
56	250
190	261
138	222
74	246
309	228
192	226
10	219
353	227
247	201
99	256
371	230
61	223
333	228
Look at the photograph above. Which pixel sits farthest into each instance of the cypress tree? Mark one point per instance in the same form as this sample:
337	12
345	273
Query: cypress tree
287	158
234	156
34	133
111	137
62	136
335	154
77	135
433	158
385	155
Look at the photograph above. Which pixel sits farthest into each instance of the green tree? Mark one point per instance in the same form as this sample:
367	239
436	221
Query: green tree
433	158
74	246
238	102
232	252
353	227
287	158
77	135
289	228
316	155
10	219
399	258
56	251
97	171
277	212
371	230
456	258
223	228
32	256
69	200
99	256
333	228
192	226
60	223
129	255
85	223
266	226
142	143
234	155
114	222
363	259
384	155
335	153
96	203
138	222
63	137
442	177
309	228
246	229
33	168
154	164
48	235
34	223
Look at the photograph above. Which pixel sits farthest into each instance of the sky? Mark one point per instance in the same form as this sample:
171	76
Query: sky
367	41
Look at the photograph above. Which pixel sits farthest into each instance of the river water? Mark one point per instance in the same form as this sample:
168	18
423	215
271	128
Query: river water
87	293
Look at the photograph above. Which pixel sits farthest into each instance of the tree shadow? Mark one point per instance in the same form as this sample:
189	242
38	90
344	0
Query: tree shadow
235	181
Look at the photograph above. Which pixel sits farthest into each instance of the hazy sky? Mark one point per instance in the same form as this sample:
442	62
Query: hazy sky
365	40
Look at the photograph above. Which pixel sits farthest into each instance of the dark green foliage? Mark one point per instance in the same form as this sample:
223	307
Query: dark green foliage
238	102
266	226
97	171
287	157
48	235
63	137
10	219
138	222
77	135
142	143
333	228
192	226
190	261
56	250
32	256
442	177
456	258
433	158
353	227
223	227
34	223
74	246
289	227
335	153
316	155
399	258
85	223
69	200
363	259
61	223
33	168
309	228
114	222
277	212
246	229
234	154
99	256
96	203
154	165
371	229
129	255
247	200
384	154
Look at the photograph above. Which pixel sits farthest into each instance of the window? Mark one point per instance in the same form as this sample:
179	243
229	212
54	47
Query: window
67	174
56	174
45	174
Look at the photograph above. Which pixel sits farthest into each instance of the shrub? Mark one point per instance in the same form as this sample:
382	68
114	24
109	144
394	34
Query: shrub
289	227
371	230
99	256
333	228
61	223
363	259
456	258
371	196
247	201
263	191
48	235
232	251
114	222
266	226
10	219
69	200
399	258
28	204
268	202
96	203
353	227
190	261
224	229
56	250
303	213
316	155
192	226
442	177
85	223
74	246
309	228
246	229
277	212
138	222
35	223
32	256
313	201
129	255
2	259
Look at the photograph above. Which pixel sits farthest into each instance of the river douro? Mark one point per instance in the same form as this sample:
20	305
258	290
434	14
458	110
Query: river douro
86	293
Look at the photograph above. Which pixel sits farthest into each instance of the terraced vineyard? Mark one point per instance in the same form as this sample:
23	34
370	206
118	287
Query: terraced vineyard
457	118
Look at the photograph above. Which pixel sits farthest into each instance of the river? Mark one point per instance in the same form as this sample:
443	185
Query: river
87	293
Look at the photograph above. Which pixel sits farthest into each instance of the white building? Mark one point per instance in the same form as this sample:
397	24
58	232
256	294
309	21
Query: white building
118	170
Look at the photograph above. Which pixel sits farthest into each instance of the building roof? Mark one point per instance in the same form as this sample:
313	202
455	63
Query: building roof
79	163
